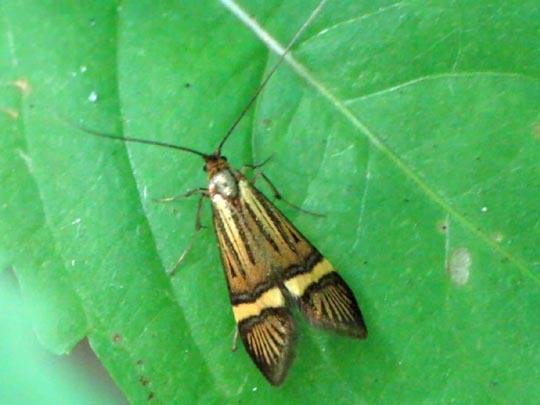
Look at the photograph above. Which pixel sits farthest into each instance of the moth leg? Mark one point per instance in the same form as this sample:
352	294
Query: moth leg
198	227
201	190
278	195
255	166
235	339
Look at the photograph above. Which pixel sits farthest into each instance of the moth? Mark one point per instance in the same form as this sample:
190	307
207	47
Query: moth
270	266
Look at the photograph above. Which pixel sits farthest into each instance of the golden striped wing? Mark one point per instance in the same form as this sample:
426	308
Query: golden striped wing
266	259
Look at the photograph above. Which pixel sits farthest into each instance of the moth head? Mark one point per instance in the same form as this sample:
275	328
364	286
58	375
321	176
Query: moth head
214	163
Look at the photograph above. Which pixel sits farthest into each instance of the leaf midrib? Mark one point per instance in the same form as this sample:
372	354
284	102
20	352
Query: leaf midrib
341	107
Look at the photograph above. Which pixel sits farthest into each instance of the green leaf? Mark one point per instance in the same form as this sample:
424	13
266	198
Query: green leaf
30	375
413	126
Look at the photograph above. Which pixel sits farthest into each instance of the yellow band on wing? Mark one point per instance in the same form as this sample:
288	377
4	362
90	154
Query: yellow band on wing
298	284
269	299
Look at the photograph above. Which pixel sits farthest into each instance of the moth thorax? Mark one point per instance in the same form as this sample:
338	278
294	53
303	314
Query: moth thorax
224	183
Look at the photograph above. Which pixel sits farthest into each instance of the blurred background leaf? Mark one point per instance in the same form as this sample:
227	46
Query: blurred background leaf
413	126
30	375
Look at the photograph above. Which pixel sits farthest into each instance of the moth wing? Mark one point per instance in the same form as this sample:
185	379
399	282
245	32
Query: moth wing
263	255
322	295
265	323
327	301
268	338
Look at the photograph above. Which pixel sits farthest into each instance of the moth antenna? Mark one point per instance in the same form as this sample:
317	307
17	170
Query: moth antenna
131	139
269	76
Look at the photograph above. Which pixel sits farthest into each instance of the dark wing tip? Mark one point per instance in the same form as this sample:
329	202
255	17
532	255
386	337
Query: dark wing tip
269	339
330	304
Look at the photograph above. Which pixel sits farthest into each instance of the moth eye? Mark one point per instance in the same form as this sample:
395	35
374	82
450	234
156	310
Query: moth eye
204	168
